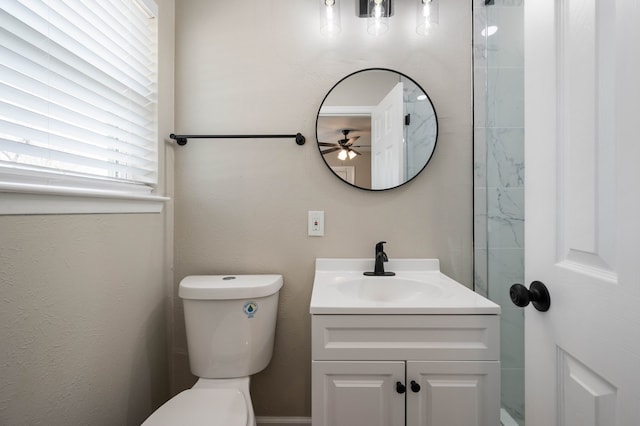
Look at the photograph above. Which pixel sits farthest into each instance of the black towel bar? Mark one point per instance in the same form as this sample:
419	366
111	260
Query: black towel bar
182	139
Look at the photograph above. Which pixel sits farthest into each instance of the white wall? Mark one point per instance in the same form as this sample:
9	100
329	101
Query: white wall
85	303
259	66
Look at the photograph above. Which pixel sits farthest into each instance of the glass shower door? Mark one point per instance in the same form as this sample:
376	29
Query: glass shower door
499	181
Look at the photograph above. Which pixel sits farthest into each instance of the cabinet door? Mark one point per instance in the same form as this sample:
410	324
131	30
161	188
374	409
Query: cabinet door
358	393
453	393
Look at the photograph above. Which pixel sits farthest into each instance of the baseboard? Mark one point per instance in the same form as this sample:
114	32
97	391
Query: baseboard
283	421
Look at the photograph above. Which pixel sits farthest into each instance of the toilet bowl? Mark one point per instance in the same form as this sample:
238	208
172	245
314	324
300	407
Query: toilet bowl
230	323
211	407
217	402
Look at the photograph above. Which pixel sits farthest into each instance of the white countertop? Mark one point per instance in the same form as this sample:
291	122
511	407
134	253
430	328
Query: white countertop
418	288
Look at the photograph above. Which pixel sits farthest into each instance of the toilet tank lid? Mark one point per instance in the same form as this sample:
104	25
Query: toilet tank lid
226	287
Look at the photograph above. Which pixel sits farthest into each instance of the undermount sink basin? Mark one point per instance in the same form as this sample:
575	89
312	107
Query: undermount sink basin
340	287
388	289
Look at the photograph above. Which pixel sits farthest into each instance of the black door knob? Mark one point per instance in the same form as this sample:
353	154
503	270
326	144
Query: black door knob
400	388
414	386
537	294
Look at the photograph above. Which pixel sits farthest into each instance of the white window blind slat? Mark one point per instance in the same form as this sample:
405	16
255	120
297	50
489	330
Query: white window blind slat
139	42
31	155
111	48
71	41
85	118
115	90
68	135
78	88
61	103
38	79
82	152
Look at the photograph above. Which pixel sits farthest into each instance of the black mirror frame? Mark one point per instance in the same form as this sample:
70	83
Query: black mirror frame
434	113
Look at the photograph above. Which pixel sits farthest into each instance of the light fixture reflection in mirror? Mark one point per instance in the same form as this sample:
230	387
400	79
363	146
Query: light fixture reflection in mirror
489	31
381	125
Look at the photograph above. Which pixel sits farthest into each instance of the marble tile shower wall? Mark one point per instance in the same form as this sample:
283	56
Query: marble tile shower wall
499	179
422	128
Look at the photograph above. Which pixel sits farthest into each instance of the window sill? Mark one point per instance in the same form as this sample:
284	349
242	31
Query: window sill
27	199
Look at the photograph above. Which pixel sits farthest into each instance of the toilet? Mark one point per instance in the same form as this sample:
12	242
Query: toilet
230	322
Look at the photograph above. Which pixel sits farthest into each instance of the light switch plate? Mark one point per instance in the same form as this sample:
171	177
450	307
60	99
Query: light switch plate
316	223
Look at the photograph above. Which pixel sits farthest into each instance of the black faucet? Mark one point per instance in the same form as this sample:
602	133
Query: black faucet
381	257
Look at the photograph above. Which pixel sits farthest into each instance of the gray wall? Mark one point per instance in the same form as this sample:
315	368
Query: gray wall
241	205
85	304
83	325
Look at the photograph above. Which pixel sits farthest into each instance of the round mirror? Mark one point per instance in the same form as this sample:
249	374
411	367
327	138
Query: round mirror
376	129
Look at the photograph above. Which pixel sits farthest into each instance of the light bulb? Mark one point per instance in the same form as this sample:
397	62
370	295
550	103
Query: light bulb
378	21
377	10
329	17
426	16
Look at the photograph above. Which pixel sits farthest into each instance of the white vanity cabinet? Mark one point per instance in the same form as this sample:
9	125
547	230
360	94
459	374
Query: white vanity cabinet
413	370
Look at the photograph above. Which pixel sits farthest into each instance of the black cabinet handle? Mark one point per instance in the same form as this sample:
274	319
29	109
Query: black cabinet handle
537	294
400	388
414	386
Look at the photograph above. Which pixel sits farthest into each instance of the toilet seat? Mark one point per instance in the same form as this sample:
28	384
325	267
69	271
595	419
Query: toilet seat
194	407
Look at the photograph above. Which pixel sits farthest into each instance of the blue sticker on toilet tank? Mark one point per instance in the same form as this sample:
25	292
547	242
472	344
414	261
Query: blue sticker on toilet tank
250	309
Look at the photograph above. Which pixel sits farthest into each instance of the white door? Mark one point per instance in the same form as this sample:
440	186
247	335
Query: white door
346	173
357	393
582	217
453	393
387	141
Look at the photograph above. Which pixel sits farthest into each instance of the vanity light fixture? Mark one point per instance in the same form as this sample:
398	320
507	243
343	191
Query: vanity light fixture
377	13
330	17
426	16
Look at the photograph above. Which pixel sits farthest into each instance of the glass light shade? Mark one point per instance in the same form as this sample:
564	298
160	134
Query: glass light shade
378	20
426	16
342	155
330	17
352	155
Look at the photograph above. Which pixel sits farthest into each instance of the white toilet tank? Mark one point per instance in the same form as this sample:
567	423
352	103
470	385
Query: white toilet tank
230	322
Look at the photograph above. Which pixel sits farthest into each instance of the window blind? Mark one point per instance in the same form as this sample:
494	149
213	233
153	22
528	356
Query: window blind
78	88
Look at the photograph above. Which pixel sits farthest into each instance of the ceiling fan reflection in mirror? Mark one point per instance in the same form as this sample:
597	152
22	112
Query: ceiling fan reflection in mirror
344	145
